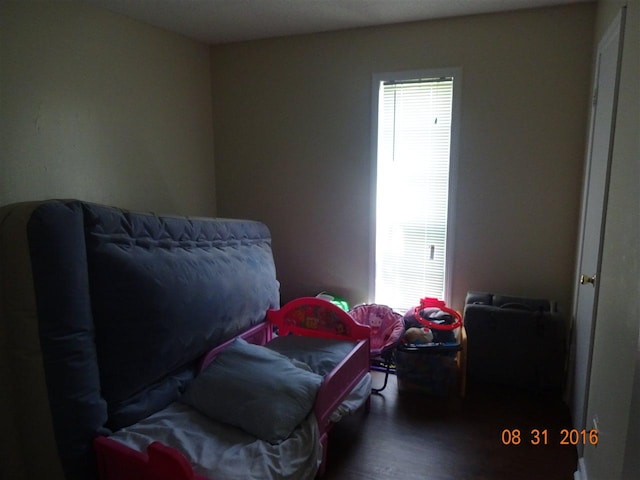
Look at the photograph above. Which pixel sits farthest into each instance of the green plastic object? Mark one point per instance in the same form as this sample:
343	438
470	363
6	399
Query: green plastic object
335	299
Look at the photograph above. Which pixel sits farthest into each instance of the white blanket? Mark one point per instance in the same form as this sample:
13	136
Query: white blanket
221	451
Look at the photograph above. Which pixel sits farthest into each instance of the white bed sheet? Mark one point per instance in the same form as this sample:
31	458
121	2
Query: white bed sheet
222	451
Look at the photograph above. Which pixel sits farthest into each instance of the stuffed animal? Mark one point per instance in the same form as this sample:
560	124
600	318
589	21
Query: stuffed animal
417	336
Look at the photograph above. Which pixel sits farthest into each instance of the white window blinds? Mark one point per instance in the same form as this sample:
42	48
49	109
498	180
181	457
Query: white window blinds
414	138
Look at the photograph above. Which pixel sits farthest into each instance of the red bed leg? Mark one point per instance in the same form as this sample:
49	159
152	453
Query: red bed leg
119	462
166	463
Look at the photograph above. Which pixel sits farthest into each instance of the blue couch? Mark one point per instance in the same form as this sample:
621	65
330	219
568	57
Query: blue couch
105	314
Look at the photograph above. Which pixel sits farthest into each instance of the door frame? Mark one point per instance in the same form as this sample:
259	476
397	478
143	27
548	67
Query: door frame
615	32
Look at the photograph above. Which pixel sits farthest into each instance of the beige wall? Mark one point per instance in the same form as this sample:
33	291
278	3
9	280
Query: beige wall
614	392
293	146
102	108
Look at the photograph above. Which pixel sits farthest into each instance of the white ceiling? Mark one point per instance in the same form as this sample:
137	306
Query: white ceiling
223	21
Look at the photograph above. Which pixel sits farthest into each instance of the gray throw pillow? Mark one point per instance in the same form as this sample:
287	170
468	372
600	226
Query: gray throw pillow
256	389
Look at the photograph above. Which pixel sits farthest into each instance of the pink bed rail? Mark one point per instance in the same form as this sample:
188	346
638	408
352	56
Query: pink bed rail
308	316
335	387
259	335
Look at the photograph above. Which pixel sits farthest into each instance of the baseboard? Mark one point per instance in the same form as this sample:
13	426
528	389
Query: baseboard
581	473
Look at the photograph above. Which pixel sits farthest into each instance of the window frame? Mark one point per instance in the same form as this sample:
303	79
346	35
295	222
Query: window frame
376	81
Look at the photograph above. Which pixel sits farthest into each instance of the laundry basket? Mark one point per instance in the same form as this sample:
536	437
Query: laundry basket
437	367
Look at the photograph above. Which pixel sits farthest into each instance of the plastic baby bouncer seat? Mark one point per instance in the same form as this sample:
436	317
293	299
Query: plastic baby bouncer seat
387	328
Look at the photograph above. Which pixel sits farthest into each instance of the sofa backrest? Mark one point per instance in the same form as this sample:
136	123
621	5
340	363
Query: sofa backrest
484	299
126	304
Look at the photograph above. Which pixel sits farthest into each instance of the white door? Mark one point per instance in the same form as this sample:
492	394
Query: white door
594	208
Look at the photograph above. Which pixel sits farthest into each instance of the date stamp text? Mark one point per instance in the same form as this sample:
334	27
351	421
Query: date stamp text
567	436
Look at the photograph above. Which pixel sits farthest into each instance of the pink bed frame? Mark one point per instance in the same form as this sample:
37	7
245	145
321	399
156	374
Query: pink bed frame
307	316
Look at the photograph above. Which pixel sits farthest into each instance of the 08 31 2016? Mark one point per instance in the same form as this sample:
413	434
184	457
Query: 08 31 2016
568	436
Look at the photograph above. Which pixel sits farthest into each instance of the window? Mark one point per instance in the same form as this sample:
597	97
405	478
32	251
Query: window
415	115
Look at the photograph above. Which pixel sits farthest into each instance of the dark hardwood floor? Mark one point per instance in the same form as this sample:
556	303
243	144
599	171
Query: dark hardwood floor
416	437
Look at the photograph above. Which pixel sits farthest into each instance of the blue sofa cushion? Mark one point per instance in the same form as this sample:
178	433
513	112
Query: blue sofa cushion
65	327
163	292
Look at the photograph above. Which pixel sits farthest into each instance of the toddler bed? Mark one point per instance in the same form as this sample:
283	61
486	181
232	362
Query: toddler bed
259	424
111	322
